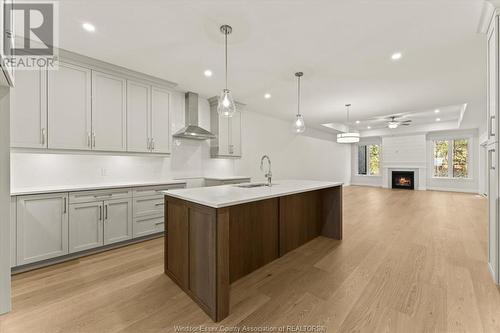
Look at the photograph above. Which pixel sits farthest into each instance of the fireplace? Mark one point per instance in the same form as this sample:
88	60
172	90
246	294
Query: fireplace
403	179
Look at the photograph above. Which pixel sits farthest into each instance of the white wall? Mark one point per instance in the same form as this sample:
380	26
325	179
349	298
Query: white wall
4	203
311	155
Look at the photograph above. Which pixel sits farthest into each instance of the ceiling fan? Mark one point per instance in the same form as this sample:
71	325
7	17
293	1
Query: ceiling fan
393	123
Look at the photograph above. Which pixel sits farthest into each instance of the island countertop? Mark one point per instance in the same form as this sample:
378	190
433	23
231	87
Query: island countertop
229	195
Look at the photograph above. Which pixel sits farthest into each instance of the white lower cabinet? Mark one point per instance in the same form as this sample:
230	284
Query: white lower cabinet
85	226
42	227
46	226
117	220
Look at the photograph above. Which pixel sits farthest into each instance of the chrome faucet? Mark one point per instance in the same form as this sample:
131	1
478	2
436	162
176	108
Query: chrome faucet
269	174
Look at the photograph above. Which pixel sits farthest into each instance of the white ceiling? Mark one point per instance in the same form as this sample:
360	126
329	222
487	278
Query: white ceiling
342	46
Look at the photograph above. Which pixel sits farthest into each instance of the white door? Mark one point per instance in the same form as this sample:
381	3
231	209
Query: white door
160	120
493	249
85	226
109	116
138	116
42	227
28	116
234	146
69	107
117	220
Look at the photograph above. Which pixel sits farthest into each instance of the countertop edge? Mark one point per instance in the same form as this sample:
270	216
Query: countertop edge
264	197
93	188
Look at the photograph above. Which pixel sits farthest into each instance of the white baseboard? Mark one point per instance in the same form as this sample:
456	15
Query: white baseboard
459	190
361	184
492	272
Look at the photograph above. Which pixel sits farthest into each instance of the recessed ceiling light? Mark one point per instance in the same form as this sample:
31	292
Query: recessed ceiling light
396	56
357	121
89	27
436	111
208	73
267	95
438	119
368	127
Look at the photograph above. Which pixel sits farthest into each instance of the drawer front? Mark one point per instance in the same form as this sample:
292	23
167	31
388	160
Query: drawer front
154	190
90	196
147	206
148	225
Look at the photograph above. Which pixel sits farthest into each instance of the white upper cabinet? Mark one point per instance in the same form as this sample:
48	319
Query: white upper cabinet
109	116
28	120
138	117
42	227
160	120
227	143
69	107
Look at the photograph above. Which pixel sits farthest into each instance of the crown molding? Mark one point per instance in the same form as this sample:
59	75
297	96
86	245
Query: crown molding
490	7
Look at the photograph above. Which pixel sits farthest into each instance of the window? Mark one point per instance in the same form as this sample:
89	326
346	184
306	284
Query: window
455	151
369	160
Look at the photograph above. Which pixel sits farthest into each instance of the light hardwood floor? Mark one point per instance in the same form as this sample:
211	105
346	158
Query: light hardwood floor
410	261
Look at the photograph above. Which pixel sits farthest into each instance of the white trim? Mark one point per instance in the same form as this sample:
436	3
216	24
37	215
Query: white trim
457	190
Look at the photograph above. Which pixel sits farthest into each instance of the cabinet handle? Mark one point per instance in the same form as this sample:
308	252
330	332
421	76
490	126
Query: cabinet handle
93	139
64	205
490	159
490	125
159	204
105	212
100	212
152	144
157	223
43	136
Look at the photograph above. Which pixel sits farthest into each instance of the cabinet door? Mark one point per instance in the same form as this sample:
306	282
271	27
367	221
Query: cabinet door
117	220
109	116
13	212
28	116
234	145
42	227
85	226
138	116
69	103
223	135
493	244
160	120
7	37
492	92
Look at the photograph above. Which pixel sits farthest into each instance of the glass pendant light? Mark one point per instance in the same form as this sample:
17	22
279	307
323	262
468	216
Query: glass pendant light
299	126
226	106
349	136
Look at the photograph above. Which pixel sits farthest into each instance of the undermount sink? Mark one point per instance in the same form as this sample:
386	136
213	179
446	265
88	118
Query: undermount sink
251	185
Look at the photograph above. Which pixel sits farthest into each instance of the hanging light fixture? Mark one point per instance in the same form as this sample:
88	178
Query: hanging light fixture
349	136
299	126
226	107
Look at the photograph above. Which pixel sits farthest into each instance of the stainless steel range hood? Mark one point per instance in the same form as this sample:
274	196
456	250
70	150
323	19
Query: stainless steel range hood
192	131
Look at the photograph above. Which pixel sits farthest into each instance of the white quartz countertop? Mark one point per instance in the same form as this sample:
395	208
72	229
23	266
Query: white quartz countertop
228	178
86	187
229	195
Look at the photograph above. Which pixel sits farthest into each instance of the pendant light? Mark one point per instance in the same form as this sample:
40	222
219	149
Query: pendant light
226	106
299	126
349	136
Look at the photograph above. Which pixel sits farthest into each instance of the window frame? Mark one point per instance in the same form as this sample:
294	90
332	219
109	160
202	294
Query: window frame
367	159
450	141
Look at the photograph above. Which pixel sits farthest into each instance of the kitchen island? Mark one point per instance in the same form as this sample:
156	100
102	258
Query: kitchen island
216	235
